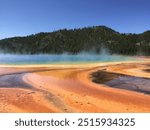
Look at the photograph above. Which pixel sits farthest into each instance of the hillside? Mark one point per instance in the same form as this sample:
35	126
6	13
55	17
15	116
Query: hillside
78	40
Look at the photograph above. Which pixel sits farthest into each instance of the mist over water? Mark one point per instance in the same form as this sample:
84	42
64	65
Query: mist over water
15	59
82	57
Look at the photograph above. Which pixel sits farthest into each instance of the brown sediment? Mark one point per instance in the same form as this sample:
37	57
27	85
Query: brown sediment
147	70
122	81
65	89
102	76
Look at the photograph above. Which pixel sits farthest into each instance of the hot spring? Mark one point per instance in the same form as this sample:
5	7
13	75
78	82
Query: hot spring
15	59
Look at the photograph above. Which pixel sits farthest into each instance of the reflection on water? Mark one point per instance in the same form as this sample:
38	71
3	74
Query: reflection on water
64	58
131	83
122	81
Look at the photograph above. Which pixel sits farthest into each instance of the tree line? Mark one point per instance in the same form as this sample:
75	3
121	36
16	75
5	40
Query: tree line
74	41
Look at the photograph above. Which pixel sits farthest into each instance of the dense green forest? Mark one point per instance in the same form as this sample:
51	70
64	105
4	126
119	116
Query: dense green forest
74	41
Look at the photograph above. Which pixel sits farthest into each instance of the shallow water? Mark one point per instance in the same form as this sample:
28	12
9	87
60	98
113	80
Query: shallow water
131	83
122	81
58	59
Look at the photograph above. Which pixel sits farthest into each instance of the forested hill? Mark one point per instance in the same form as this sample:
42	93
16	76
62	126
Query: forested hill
78	40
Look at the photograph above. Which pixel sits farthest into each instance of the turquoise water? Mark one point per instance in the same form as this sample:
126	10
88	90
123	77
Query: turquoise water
58	59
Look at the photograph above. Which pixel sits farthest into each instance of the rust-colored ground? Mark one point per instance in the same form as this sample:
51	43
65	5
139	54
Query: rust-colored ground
69	89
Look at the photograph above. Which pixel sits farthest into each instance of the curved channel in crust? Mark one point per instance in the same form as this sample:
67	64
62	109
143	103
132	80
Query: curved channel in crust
70	89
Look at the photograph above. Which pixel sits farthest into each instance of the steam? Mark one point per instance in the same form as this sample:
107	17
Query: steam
85	57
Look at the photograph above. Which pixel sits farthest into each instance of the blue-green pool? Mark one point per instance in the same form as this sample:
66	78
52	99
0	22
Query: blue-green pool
58	59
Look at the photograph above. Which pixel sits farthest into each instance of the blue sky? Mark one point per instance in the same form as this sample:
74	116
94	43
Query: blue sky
24	17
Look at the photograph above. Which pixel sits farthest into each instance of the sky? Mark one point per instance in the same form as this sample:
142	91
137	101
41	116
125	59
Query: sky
25	17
